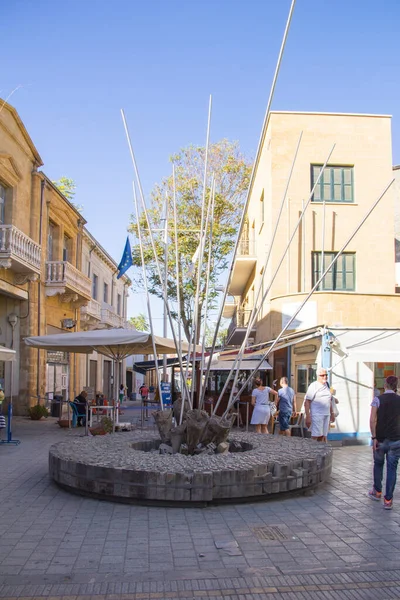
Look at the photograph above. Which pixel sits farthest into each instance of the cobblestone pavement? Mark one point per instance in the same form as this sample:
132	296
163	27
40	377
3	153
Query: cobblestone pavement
336	544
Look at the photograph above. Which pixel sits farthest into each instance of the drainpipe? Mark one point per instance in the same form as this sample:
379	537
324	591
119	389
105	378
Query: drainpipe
42	186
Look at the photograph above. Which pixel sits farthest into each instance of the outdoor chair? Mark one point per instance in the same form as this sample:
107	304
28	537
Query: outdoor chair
76	415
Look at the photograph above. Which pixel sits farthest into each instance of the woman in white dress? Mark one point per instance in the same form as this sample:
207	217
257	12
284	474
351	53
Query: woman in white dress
260	401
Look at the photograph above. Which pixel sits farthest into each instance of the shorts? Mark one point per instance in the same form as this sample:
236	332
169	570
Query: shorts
284	420
320	425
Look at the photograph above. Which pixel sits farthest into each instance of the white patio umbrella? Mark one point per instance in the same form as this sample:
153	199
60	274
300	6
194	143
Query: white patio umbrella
116	344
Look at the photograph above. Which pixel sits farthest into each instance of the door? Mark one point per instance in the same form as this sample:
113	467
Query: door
107	371
93	375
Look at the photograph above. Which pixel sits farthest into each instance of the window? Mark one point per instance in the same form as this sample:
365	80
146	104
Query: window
2	204
105	294
262	210
305	374
95	285
335	184
119	304
66	248
342	276
50	241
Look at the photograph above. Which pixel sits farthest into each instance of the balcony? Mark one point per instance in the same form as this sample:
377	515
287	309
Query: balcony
64	279
245	262
18	252
238	327
91	313
111	319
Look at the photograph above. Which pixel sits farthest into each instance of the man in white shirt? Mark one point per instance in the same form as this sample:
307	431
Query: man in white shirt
318	407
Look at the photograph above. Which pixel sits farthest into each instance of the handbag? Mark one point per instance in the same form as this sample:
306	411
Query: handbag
335	409
273	409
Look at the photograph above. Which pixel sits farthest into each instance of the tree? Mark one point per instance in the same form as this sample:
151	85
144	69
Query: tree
232	175
68	187
210	332
140	322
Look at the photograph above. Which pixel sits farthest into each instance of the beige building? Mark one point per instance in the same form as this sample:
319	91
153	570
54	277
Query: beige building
106	309
359	292
54	276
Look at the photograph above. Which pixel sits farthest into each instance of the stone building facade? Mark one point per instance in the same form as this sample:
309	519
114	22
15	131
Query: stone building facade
46	285
106	309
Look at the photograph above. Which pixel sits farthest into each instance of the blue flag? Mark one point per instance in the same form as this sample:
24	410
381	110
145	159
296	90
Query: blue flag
126	260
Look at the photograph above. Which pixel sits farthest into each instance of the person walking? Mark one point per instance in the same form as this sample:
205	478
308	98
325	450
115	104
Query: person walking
318	407
261	402
385	433
286	406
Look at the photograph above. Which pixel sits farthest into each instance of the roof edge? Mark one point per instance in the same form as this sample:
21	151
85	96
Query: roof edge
24	131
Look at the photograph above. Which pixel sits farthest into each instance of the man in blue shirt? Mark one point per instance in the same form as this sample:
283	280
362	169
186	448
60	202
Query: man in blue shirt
286	406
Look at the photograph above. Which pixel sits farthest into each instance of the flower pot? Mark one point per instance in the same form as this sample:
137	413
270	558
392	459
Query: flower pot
63	422
97	431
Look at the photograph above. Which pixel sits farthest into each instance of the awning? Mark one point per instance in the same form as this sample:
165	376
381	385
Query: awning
246	365
369	345
7	354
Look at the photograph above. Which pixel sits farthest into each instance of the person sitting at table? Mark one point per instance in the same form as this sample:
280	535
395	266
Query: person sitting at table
81	403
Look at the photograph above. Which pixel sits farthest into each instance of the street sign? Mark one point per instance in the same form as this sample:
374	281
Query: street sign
166	393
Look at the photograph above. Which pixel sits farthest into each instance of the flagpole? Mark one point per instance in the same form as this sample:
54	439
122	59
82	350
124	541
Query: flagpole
147	295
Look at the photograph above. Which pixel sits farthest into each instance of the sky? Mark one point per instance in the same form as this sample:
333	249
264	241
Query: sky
79	62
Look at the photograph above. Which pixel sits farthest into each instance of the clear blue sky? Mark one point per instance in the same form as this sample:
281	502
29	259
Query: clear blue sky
80	61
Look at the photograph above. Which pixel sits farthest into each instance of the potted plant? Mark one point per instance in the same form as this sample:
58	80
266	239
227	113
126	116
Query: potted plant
37	412
106	426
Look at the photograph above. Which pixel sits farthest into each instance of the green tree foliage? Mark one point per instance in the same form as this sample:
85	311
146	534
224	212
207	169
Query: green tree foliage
140	322
68	187
210	332
232	174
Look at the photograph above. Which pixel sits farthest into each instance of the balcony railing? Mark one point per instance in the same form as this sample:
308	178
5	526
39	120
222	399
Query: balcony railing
63	276
92	310
247	247
240	320
109	317
17	247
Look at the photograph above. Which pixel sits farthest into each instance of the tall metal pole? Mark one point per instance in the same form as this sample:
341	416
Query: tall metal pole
165	316
315	287
256	309
195	320
165	297
146	288
256	161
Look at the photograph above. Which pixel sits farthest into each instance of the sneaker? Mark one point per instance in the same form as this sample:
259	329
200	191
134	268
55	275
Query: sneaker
388	504
374	495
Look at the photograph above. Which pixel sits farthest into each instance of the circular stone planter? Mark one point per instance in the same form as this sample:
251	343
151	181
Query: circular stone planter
122	467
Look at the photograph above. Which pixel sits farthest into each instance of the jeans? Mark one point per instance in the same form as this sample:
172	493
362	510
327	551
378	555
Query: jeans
390	449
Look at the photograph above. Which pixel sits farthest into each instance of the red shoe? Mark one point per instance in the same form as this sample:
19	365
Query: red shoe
374	495
388	504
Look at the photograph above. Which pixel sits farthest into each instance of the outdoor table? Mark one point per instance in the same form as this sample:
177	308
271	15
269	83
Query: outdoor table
100	411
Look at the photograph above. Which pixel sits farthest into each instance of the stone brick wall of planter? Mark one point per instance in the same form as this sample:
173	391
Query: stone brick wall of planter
122	467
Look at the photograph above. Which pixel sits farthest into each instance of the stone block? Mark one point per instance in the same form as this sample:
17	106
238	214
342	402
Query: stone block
202	487
298	477
223	448
165	449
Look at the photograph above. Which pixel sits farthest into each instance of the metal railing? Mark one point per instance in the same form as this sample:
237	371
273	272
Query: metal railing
247	247
240	320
